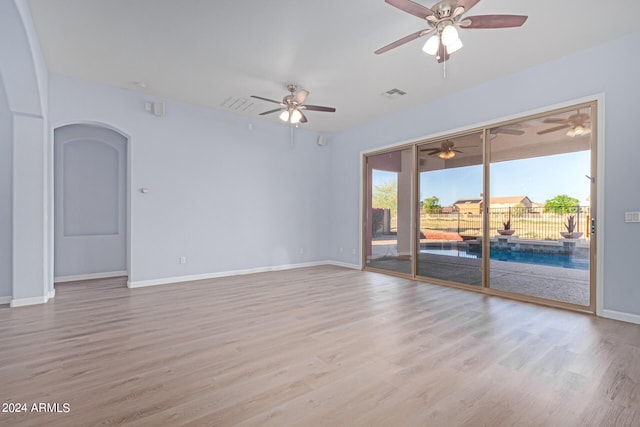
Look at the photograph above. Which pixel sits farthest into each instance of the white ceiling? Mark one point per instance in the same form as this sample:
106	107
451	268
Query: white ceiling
207	51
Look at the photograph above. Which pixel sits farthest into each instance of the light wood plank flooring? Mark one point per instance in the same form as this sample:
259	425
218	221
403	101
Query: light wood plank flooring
321	346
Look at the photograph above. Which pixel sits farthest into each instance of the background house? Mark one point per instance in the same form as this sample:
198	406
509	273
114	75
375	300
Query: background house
511	202
233	194
474	205
468	206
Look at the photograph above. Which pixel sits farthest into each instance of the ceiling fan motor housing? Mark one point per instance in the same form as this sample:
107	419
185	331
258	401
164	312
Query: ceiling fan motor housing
443	9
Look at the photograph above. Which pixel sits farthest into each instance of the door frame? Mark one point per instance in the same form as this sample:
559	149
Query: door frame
51	195
597	102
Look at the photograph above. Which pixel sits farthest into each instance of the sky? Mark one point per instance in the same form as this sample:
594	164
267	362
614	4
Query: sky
539	178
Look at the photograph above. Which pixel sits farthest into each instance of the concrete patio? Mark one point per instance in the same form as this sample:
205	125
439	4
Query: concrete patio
542	281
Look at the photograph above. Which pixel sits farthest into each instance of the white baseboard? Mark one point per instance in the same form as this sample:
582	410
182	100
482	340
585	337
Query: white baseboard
178	279
52	293
619	315
344	264
90	276
5	300
21	302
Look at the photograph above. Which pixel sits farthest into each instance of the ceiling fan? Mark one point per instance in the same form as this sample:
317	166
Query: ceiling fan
576	122
292	105
445	151
443	18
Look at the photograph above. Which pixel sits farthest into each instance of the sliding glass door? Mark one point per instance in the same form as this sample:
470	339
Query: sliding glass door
450	210
388	237
507	209
540	207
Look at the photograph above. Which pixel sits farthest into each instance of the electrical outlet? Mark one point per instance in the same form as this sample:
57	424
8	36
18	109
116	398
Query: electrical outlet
353	251
301	251
341	249
632	217
183	260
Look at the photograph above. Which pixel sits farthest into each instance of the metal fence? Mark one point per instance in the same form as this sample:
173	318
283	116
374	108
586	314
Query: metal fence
527	223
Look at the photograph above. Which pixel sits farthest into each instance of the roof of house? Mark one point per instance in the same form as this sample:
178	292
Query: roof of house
509	199
494	200
467	201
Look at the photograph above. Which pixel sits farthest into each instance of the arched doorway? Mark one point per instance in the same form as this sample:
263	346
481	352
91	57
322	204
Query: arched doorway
90	203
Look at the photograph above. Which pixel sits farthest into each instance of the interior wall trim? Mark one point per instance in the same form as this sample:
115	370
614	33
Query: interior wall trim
344	264
5	300
91	276
22	302
622	316
190	278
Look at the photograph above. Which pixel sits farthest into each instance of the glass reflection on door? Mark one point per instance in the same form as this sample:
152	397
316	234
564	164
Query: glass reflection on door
540	207
389	243
450	227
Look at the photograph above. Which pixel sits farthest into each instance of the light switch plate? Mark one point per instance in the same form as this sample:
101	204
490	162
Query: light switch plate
632	217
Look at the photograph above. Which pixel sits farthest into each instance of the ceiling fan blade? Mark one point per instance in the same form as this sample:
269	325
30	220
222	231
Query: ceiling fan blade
580	117
411	7
552	120
494	21
266	99
300	96
554	129
303	118
507	131
403	40
467	4
317	108
270	111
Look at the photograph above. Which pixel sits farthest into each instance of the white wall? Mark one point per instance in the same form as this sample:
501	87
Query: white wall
611	69
6	204
226	196
25	82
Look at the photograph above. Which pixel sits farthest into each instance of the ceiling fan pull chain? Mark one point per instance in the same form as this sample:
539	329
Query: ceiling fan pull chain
444	65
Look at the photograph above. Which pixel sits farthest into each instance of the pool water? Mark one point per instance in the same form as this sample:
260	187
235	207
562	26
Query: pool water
563	261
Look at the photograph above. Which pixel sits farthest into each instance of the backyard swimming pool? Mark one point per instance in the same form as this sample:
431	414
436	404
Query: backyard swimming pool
553	260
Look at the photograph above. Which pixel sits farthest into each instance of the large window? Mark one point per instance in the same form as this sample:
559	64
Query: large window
389	241
507	209
451	214
541	191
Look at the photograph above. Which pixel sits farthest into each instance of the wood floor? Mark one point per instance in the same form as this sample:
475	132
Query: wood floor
321	346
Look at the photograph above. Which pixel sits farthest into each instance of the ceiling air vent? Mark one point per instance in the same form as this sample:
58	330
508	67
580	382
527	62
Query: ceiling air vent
393	93
243	105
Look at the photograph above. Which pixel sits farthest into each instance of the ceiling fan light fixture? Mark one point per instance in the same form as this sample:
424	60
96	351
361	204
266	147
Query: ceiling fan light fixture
447	154
284	116
449	35
455	46
578	130
432	45
295	116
